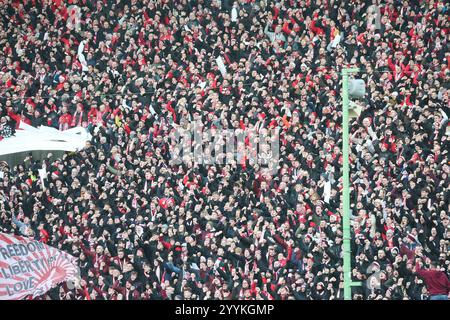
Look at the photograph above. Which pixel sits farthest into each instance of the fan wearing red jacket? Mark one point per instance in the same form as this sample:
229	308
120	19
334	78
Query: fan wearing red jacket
436	281
65	119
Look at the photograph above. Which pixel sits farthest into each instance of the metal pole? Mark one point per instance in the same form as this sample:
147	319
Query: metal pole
346	188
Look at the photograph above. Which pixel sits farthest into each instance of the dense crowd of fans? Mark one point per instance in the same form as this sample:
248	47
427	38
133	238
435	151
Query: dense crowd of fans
143	227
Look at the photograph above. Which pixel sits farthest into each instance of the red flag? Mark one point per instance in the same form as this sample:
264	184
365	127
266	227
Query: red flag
31	268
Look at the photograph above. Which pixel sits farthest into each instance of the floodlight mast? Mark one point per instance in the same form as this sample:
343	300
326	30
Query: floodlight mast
347	269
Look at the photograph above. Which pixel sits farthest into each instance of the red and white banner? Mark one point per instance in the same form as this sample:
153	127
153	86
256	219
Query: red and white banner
31	268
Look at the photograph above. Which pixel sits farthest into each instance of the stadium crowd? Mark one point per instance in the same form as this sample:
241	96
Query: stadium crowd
143	227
